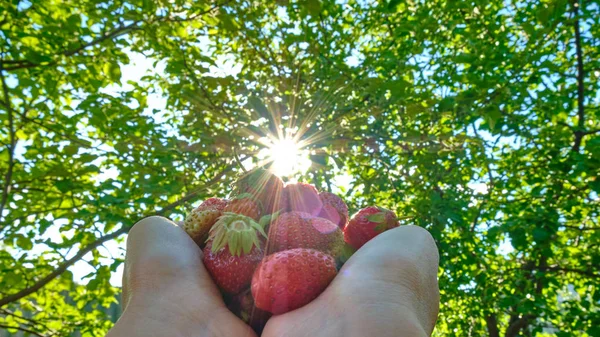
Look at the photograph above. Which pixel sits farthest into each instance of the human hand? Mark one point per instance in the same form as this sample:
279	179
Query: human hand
166	289
387	288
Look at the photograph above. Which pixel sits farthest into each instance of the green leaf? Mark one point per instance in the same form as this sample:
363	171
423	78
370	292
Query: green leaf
70	150
113	71
63	185
257	105
492	116
393	4
313	7
540	234
24	242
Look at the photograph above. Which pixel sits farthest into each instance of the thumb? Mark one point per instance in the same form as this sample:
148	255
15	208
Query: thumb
163	260
402	263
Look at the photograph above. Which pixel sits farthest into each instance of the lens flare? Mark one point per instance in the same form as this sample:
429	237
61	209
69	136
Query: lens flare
286	157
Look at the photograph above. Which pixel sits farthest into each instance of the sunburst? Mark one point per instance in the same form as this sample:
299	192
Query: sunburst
286	155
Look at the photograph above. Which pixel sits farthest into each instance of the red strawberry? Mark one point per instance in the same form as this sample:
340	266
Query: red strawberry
282	202
301	230
334	209
199	222
217	204
243	204
265	187
287	280
368	223
233	251
304	198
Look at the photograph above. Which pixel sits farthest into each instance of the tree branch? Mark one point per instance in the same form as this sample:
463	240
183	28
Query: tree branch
580	132
22	329
517	326
63	267
22	64
587	273
492	325
83	251
26	321
12	145
591	132
581	228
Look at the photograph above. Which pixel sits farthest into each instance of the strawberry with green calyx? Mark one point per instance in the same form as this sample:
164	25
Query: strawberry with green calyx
244	204
334	209
216	204
199	222
290	279
233	251
368	223
265	187
304	198
301	230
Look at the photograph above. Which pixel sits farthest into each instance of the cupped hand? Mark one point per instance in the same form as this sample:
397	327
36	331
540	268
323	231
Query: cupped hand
387	288
166	289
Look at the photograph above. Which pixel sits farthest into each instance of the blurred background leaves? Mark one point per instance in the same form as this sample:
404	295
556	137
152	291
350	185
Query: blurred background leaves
478	120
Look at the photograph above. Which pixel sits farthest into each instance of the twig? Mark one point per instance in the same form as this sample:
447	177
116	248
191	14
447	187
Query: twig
580	132
11	148
575	271
582	228
22	329
82	252
23	64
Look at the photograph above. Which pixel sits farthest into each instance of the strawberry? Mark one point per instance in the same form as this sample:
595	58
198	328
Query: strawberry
368	223
243	204
233	251
334	209
301	230
213	204
242	305
265	187
304	198
199	222
287	280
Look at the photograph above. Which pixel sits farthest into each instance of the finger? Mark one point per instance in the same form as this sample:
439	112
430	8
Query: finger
160	257
387	288
402	266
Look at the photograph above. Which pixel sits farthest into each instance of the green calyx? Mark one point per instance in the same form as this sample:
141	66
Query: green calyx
238	232
268	219
380	219
377	217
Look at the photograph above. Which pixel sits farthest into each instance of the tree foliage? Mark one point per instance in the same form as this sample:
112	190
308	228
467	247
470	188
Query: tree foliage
478	120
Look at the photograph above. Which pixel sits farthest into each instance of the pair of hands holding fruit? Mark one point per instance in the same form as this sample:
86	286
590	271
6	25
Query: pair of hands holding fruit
387	288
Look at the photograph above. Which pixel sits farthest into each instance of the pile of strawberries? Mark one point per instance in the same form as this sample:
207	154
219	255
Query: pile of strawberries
272	248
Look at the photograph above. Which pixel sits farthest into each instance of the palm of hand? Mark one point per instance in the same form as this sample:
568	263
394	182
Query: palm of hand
388	288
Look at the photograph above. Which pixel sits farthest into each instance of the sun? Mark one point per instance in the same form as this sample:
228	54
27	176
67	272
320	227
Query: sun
286	157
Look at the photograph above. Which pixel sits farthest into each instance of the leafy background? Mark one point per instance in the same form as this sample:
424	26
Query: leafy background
479	119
